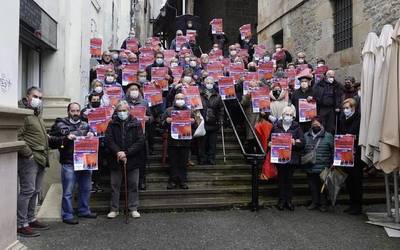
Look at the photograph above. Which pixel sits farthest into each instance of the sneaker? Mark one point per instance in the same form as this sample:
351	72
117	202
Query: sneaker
72	221
135	214
38	225
112	214
190	163
27	232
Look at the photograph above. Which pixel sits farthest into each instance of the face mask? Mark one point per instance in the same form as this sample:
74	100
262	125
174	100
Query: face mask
267	58
320	64
174	64
123	115
301	60
115	57
35	103
109	79
134	94
287	119
159	61
187	79
252	69
348	112
276	93
233	52
187	59
193	64
215	49
331	79
304	85
95	104
98	89
209	86
142	79
278	49
316	129
180	103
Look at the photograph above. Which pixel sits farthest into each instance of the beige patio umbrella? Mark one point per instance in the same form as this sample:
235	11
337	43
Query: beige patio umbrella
389	158
382	58
367	81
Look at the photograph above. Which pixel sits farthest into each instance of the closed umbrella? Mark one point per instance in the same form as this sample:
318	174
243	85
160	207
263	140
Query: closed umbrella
367	81
390	132
382	58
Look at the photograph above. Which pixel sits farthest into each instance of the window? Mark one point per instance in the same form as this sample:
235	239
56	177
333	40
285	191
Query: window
29	68
343	24
278	37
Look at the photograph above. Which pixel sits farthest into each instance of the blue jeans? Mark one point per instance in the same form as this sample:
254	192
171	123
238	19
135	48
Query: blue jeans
68	179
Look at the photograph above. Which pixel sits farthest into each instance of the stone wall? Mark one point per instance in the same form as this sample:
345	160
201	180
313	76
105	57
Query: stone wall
380	12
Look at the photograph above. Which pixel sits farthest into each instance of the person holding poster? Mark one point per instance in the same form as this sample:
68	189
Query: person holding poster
172	46
106	59
135	99
301	60
278	102
285	170
317	139
62	136
213	113
178	147
281	55
112	88
305	92
126	142
248	109
349	124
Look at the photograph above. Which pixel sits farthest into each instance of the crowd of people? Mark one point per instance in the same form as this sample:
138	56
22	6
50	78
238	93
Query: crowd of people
127	143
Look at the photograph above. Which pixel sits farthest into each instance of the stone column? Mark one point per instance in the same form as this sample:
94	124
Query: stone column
11	118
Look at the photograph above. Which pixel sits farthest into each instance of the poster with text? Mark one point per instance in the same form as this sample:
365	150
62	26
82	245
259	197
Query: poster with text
344	151
281	148
259	51
215	70
114	93
101	71
192	97
129	73
236	70
132	44
86	153
320	73
216	26
139	112
307	110
168	55
98	119
191	35
245	31
152	95
181	126
266	70
260	100
95	47
145	60
158	75
226	86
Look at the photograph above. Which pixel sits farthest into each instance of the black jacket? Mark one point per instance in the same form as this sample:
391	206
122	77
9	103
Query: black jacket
125	136
297	133
300	94
352	126
58	137
213	110
328	95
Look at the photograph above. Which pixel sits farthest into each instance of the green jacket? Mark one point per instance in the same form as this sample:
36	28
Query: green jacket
324	152
34	134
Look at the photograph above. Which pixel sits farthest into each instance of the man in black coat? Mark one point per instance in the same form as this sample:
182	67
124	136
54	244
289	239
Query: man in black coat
125	141
328	94
304	92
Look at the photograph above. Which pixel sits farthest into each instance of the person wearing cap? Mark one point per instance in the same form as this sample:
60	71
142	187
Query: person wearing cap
173	42
316	138
278	102
285	171
301	59
304	92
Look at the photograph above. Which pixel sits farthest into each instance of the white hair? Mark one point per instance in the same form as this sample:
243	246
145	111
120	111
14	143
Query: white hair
288	110
121	103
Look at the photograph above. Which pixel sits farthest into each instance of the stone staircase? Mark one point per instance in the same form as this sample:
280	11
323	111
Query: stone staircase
222	186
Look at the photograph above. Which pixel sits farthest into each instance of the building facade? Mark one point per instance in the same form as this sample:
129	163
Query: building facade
331	29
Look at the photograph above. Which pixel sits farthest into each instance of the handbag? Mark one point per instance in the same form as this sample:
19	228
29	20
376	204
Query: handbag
200	130
310	157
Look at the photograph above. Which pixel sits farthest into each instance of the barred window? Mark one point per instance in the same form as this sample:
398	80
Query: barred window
343	21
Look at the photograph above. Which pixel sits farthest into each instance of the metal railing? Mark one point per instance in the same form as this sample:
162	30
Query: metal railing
254	157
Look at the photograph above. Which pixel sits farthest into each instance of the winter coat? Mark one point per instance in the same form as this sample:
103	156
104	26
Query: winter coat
126	136
351	126
300	94
328	95
58	137
278	104
34	134
297	133
213	110
324	152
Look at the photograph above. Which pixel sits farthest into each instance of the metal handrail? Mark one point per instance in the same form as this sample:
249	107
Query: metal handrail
254	157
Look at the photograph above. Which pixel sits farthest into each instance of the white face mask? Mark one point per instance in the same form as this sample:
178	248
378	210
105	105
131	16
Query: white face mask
159	61
35	103
348	112
180	103
98	89
301	60
187	79
187	59
287	119
331	79
209	86
134	94
115	57
123	115
278	49
193	64
320	64
142	79
110	79
267	58
174	64
233	52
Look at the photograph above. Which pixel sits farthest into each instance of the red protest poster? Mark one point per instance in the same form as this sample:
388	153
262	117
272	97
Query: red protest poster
98	119
129	73
101	71
216	26
158	75
291	76
215	70
146	51
245	31
177	73
266	70
260	100
279	56
192	97
320	72
132	44
95	47
114	93
154	42
191	35
168	55
281	148
248	77
139	112
259	51
236	70
243	53
85	153
307	110
152	94
226	87
145	60
301	67
181	126
215	55
180	41
344	151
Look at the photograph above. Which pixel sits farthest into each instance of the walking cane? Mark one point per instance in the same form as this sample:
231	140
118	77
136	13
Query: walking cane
126	193
223	141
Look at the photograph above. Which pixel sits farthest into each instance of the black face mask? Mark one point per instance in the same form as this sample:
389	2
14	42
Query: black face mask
252	69
316	129
95	104
276	93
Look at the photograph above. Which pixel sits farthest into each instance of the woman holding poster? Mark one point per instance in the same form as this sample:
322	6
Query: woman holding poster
287	163
125	141
349	123
178	120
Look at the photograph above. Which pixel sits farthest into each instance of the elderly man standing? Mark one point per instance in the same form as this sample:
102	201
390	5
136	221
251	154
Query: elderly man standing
32	161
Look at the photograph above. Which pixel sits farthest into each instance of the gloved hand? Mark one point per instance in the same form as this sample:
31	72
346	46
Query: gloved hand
272	118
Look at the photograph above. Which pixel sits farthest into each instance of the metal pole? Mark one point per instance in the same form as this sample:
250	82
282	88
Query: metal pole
183	7
126	194
254	186
388	203
396	196
223	142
